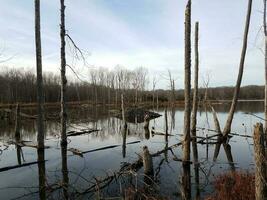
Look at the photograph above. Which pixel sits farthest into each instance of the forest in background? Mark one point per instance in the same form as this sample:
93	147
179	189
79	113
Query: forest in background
105	87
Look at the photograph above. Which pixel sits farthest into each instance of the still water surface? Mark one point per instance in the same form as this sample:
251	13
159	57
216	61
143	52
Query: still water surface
80	172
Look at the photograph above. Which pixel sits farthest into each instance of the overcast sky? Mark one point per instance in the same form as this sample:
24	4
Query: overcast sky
135	33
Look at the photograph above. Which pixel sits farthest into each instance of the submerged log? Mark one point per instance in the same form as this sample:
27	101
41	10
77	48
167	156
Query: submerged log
108	147
76	133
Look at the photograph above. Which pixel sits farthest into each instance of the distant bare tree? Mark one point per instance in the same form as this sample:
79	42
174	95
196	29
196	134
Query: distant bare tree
172	88
206	81
154	82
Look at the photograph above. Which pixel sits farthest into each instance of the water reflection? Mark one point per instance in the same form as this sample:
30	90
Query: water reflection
186	181
98	163
41	173
124	135
64	170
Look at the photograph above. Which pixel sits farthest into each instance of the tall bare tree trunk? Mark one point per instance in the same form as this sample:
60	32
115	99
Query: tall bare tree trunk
227	129
187	82
265	63
186	179
63	75
195	97
228	124
194	113
40	95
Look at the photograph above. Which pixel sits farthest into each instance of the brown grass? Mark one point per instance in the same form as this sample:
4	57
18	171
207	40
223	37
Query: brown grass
142	194
234	186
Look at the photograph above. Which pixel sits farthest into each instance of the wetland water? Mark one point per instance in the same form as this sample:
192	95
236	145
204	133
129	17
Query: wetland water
68	174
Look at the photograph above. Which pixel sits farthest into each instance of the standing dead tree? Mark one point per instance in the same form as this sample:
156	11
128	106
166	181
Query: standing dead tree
40	95
194	111
63	75
265	65
228	124
187	82
195	97
227	127
172	89
186	179
154	82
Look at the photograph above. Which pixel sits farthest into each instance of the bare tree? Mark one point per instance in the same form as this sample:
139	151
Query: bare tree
40	95
265	63
195	97
154	82
187	82
63	75
228	124
206	81
172	88
227	127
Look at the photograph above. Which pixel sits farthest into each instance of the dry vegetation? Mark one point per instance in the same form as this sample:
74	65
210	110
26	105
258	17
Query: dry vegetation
234	186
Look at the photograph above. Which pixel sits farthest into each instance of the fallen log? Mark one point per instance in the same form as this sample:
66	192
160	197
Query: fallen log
21	114
76	133
108	147
161	134
23	144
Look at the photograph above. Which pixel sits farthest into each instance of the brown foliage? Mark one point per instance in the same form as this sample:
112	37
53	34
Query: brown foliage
234	186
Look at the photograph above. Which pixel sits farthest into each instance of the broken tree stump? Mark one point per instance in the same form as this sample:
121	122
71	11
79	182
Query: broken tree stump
260	163
148	166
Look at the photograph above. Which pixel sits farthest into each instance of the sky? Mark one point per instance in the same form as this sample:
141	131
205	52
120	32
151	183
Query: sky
134	33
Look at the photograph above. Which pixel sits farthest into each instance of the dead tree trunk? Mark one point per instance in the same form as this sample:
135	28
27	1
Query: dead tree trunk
265	63
123	112
187	82
63	75
228	124
40	95
227	127
260	162
17	133
195	98
194	113
186	179
166	125
17	123
41	173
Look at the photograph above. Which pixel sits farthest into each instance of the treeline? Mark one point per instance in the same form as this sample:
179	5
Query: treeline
103	86
250	92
